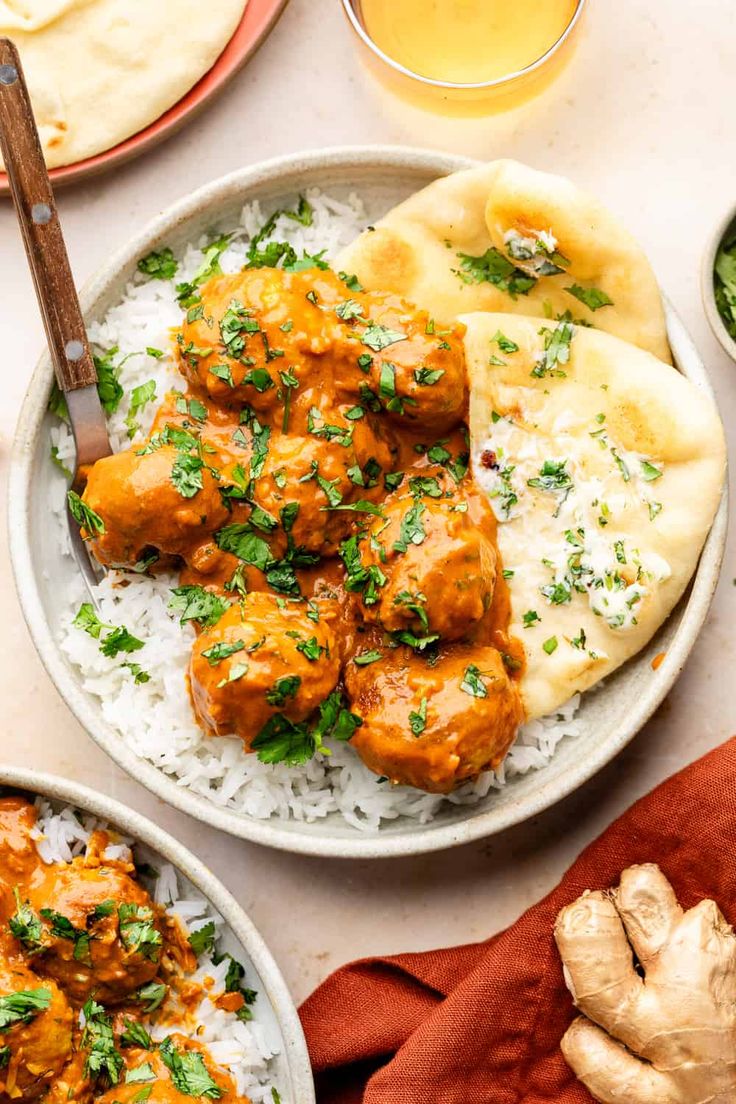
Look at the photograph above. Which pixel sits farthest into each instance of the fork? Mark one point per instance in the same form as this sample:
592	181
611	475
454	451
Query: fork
54	284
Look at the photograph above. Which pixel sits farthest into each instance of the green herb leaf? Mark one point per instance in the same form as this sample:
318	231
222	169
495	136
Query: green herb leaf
103	1059
493	268
418	720
152	995
284	688
85	516
139	398
139	932
363	659
378	337
194	603
202	941
472	682
505	344
189	1073
592	297
23	1006
159	266
649	473
134	1034
427	377
62	928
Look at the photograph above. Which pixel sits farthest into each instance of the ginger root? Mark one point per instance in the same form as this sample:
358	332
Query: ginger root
657	989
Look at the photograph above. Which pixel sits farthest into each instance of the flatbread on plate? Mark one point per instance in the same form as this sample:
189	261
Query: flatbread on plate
605	467
102	70
484	238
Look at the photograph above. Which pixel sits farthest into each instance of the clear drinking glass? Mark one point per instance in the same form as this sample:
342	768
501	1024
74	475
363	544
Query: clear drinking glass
458	96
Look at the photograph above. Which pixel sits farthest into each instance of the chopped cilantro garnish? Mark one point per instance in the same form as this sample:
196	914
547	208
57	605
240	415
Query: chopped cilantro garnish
202	941
418	718
427	377
411	530
62	927
25	925
284	688
493	268
189	1074
194	603
221	650
472	682
152	995
505	344
160	265
138	931
592	297
364	659
85	516
378	337
103	1060
134	1034
139	398
649	472
23	1006
556	350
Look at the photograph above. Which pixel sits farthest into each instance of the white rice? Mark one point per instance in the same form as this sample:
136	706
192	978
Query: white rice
155	719
244	1049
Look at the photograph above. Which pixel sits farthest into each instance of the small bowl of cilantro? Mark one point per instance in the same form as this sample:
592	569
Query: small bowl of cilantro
719	284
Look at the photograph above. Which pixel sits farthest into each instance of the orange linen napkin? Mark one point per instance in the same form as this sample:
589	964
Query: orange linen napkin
481	1024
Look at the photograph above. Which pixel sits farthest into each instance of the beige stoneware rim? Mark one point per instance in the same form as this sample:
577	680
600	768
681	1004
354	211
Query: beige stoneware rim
144	831
321	840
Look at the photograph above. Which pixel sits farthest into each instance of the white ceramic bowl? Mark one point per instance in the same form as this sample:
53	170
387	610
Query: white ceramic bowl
291	1070
707	288
611	716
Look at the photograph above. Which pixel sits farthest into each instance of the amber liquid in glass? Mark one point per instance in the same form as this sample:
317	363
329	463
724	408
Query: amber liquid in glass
466	41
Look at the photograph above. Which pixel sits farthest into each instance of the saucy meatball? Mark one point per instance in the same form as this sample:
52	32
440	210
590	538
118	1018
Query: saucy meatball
436	557
419	376
18	855
434	725
254	330
260	659
320	476
37	1039
100	931
141	505
199	1069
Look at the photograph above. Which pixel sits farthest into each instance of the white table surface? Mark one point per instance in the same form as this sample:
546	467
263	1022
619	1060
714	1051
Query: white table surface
642	117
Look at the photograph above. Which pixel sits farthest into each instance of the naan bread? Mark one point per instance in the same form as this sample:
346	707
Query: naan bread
626	460
102	70
505	221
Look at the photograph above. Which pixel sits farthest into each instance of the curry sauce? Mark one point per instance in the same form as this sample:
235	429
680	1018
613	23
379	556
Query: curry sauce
312	486
89	967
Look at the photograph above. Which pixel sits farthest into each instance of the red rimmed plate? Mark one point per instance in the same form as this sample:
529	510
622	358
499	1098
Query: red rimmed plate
259	19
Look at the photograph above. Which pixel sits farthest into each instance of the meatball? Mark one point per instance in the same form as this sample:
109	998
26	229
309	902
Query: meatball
263	657
38	1037
436	558
319	474
136	497
433	725
420	377
18	854
197	1061
262	327
101	933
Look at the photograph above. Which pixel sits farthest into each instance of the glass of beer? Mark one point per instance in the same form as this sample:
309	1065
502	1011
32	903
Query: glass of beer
465	56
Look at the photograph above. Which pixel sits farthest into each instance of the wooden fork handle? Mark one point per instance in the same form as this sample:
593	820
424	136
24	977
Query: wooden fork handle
42	236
